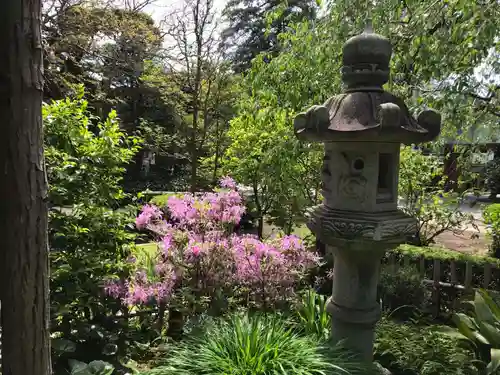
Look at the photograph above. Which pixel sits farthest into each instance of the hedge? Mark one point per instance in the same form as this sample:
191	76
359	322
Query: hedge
446	257
443	254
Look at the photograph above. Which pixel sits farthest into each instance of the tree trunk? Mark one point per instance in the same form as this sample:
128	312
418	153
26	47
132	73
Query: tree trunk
260	227
175	327
216	158
194	170
451	168
23	194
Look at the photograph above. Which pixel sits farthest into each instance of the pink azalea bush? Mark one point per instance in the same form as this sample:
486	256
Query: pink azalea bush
200	261
148	214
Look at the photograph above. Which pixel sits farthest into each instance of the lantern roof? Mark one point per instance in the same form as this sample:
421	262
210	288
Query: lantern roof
365	112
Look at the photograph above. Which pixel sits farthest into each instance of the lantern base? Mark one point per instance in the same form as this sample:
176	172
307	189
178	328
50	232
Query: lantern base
387	227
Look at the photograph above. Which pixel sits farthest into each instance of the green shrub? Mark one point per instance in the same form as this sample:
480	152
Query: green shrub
401	289
87	247
85	156
491	217
493	176
89	238
422	187
415	254
92	368
431	253
407	349
256	345
161	200
480	330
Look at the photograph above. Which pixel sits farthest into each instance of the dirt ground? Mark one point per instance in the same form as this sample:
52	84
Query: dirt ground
471	241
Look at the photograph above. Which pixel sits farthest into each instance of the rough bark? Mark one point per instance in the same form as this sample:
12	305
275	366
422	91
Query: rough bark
451	168
23	193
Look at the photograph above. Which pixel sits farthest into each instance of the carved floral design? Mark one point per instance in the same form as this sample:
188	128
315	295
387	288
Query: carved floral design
353	187
328	223
348	229
398	229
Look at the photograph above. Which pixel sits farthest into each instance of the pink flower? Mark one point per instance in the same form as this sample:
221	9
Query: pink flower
114	289
137	294
228	182
148	214
291	242
168	242
195	250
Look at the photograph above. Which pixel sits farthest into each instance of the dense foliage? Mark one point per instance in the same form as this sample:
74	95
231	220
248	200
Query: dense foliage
493	177
411	350
86	157
479	330
180	100
422	189
311	315
254	27
401	290
89	240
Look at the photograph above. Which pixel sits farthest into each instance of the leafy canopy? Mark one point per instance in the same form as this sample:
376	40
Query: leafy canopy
85	156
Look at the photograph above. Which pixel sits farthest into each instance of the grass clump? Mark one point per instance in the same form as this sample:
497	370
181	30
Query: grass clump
257	345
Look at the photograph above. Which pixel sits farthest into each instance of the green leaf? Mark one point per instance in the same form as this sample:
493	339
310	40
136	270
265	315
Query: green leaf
492	305
466	326
491	333
100	368
494	364
79	368
63	345
483	312
451	332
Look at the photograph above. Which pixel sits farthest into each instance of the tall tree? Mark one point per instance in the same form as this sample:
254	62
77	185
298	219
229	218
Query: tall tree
254	26
194	60
170	137
23	188
103	47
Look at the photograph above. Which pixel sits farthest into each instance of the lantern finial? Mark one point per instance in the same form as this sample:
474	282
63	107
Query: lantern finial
366	59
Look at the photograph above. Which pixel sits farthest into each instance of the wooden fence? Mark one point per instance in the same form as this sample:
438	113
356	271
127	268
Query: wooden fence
449	280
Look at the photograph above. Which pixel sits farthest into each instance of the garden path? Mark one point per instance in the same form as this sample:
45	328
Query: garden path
470	241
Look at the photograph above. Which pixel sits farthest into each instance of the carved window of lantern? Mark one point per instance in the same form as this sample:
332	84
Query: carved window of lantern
386	178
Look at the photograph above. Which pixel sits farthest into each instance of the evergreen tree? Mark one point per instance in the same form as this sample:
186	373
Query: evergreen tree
254	26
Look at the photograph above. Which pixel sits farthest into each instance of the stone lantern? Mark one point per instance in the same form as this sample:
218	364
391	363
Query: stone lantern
362	129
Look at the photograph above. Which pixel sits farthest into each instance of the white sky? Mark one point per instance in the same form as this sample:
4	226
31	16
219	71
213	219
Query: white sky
161	8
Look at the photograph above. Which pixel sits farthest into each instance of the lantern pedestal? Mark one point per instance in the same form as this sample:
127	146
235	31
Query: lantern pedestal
358	241
353	306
